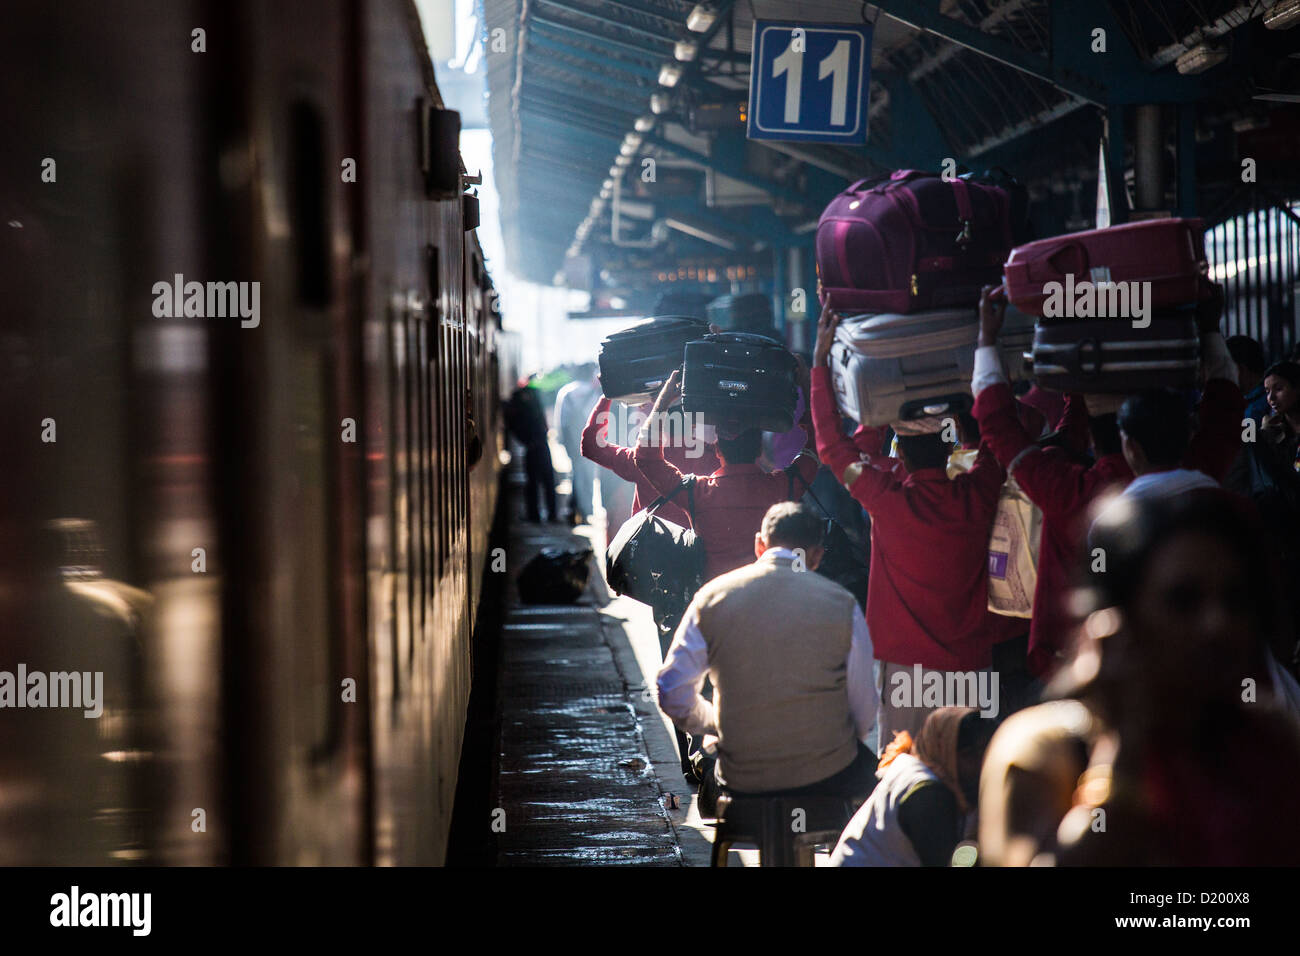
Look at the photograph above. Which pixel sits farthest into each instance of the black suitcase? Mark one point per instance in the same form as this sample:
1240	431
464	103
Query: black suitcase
1110	355
737	380
748	312
636	362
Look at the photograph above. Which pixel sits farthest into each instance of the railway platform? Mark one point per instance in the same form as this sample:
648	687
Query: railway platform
586	768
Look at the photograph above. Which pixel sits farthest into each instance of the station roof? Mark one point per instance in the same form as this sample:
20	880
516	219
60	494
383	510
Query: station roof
1012	84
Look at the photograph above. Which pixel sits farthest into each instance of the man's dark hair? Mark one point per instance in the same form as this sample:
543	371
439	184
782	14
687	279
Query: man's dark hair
1160	422
924	451
743	449
1246	352
1105	434
789	524
1287	370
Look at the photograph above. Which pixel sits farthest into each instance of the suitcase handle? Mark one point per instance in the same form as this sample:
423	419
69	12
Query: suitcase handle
1071	249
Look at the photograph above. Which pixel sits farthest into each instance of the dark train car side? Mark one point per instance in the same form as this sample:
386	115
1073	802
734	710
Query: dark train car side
265	527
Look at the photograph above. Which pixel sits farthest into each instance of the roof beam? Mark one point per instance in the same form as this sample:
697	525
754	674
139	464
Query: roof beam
594	57
578	11
924	15
579	121
568	96
734	170
584	79
555	26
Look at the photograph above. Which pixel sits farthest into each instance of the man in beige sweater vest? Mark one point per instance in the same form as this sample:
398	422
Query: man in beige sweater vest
790	659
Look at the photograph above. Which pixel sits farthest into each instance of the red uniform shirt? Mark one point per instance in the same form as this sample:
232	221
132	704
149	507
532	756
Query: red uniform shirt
1064	489
596	447
729	504
927	596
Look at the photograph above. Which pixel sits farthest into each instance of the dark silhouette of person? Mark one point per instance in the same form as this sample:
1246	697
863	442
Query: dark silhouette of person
526	421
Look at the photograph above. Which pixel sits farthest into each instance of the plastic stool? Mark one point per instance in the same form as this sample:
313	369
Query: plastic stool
769	823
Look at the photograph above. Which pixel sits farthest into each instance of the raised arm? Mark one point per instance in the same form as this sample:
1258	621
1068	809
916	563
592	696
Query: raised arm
1217	441
995	405
597	447
649	456
864	480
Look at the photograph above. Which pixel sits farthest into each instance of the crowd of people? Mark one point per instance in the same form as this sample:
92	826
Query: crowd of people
1146	710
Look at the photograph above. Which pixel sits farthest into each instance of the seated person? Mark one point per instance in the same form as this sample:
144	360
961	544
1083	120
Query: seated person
928	788
791	664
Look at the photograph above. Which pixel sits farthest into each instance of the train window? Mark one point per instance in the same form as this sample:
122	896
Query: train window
438	368
309	203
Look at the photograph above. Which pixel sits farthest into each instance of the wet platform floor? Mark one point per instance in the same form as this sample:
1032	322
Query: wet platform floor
587	771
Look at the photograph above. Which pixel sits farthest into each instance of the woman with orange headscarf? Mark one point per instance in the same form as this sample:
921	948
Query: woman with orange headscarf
928	786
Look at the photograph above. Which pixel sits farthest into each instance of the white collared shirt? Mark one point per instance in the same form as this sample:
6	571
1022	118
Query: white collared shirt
687	664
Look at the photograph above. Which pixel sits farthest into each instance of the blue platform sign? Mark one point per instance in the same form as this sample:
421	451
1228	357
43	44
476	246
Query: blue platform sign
808	81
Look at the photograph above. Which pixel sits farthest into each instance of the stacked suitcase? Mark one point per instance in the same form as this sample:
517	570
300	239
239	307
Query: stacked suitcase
895	367
635	363
1122	352
903	259
737	380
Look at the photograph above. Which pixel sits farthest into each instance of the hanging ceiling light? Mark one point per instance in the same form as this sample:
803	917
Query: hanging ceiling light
644	124
703	16
670	74
660	103
684	50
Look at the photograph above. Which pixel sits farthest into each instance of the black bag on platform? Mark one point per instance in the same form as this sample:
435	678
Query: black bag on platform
656	561
847	558
736	380
555	576
635	362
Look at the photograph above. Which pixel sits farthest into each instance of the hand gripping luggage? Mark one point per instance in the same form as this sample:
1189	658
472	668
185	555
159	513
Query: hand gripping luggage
656	561
636	362
1110	355
1167	253
913	242
736	380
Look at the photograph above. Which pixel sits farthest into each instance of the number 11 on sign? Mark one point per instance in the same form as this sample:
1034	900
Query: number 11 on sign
835	65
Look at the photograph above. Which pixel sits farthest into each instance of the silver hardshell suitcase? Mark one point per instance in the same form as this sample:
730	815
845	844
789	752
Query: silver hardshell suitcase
894	367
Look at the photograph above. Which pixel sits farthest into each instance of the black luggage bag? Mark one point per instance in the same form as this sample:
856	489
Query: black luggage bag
735	380
1110	355
555	576
657	561
747	312
636	362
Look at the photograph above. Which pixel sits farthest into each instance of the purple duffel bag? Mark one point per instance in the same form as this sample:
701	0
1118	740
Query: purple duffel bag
913	242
